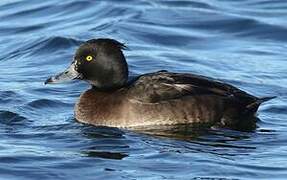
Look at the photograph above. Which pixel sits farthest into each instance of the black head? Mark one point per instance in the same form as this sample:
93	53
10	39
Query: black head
100	62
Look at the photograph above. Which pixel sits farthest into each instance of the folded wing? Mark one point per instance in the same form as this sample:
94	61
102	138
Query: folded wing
164	86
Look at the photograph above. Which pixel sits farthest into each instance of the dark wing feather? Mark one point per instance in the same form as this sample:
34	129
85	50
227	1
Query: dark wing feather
163	86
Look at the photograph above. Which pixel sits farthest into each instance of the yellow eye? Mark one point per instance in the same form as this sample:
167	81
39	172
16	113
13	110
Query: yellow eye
89	58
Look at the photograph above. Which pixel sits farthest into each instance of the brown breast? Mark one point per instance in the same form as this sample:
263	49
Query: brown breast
100	108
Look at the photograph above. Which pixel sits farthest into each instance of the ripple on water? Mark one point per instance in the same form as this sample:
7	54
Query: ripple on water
56	43
44	103
186	3
11	118
10	97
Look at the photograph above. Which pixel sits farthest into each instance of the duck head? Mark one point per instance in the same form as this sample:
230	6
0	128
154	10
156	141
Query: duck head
98	61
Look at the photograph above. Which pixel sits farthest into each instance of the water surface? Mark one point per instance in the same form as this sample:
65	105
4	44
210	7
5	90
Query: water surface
241	42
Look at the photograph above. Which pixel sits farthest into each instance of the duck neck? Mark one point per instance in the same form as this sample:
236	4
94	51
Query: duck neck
107	89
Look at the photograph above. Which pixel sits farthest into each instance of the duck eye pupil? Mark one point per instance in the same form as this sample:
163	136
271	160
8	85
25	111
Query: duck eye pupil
89	58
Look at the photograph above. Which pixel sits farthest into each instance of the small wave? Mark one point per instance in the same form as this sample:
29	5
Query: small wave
33	10
266	4
72	7
10	118
265	31
9	5
21	29
39	46
55	43
44	103
9	96
276	109
244	27
184	3
27	12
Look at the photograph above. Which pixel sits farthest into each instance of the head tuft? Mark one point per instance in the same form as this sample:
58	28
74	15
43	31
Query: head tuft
107	41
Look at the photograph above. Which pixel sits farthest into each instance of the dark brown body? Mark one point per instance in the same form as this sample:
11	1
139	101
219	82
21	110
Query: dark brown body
116	109
153	100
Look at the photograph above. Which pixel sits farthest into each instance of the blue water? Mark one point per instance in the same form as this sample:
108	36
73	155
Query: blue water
241	42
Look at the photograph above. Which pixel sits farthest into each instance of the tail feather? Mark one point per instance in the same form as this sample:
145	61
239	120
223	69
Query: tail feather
264	99
253	107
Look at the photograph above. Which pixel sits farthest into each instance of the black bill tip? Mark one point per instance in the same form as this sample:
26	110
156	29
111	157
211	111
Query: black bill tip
48	81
